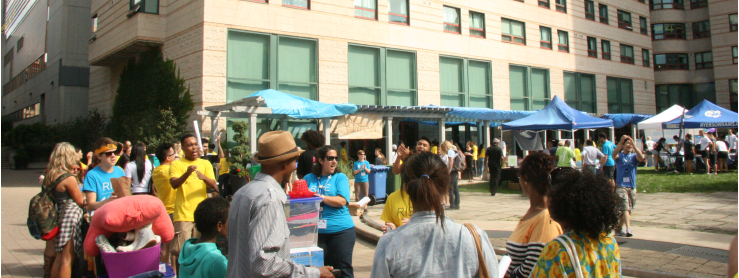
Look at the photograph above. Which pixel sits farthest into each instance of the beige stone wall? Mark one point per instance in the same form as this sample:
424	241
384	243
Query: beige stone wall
722	39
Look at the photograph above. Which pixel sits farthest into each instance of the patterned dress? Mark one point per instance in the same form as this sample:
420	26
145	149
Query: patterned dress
598	257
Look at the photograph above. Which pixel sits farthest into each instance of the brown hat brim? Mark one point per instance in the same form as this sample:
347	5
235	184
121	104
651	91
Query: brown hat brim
278	158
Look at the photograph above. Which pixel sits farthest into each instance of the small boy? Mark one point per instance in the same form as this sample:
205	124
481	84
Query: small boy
200	257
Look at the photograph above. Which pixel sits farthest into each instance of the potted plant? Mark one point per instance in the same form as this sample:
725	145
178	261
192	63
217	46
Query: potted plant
240	156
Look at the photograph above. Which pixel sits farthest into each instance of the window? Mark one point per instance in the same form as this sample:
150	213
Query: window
624	20
732	22
300	4
456	73
627	54
477	24
666	4
19	44
8	57
606	48
694	4
620	95
668	31
733	95
733	54
603	10
398	12
366	9
592	47
686	95
580	91
513	31
643	26
703	60
645	57
451	20
529	88
380	76
258	61
561	5
701	29
544	3
564	42
144	6
672	61
590	10
95	23
546	37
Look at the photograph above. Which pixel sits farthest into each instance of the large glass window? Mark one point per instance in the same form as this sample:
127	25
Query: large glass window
564	41
561	5
144	6
643	26
666	4
671	61
732	22
606	48
398	11
620	95
477	24
380	76
733	54
667	31
603	13
592	47
546	37
529	88
465	82
627	54
733	94
645	57
544	3
624	20
451	20
590	10
366	9
263	61
694	4
685	95
580	91
701	29
513	31
703	60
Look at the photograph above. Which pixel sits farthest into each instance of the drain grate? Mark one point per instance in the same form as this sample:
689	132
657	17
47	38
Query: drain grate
711	254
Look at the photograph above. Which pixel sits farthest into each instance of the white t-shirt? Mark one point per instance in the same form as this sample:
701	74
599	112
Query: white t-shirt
704	143
731	140
650	145
449	154
721	146
136	186
591	155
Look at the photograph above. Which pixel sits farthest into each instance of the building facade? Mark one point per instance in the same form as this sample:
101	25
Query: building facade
46	71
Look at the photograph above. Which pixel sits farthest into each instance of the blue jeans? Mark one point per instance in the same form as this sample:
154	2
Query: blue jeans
338	249
454	190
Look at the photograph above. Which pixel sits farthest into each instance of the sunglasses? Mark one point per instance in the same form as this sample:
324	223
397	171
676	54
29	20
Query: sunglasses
331	158
109	154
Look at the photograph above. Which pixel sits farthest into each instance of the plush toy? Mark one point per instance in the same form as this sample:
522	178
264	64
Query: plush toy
126	214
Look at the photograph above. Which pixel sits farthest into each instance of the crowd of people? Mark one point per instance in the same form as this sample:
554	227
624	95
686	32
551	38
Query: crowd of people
710	154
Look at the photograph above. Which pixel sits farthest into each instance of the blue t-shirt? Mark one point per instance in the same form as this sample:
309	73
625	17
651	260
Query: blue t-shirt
626	170
362	176
337	219
607	150
98	181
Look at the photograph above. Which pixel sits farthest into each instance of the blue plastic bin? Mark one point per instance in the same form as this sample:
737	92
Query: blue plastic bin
377	184
302	221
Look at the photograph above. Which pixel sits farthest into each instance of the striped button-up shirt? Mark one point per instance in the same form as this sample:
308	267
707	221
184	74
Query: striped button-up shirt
258	237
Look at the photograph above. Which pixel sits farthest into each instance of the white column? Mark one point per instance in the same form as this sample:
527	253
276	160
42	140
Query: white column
587	135
442	129
283	122
389	140
486	126
253	133
613	134
559	134
327	130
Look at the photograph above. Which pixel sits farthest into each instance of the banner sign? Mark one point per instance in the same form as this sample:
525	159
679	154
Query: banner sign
358	126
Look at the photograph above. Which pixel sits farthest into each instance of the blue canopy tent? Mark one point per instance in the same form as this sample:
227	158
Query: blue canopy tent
621	120
558	115
467	115
705	115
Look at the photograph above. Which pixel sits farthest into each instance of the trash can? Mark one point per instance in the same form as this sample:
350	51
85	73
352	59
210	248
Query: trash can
377	184
393	182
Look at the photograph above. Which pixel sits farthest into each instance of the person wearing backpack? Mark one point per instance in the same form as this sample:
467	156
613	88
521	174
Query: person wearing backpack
61	184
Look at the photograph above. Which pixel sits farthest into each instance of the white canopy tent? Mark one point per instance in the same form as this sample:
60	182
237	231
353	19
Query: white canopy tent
653	126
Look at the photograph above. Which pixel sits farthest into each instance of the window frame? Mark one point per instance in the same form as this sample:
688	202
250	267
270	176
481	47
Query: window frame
734	54
407	16
511	36
676	4
593	53
626	59
140	6
703	64
383	86
645	56
733	27
733	95
669	36
606	55
643	25
543	42
578	102
544	4
375	11
459	16
528	94
620	101
603	19
591	4
624	24
8	57
695	4
563	47
19	44
562	8
465	80
484	33
701	34
672	66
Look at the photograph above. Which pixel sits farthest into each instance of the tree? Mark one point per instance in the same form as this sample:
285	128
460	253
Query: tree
240	154
149	86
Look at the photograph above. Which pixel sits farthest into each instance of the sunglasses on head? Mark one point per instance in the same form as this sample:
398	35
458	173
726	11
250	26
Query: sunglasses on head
331	158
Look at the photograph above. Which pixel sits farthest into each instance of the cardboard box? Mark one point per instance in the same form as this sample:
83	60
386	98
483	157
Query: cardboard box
355	209
307	256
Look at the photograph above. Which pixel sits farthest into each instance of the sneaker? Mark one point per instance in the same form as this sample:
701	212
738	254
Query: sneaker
145	238
620	233
102	242
628	232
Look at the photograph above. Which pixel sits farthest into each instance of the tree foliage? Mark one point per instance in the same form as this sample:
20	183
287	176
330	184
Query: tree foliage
240	154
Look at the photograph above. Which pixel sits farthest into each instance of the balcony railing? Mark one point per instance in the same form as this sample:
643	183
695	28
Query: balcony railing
31	71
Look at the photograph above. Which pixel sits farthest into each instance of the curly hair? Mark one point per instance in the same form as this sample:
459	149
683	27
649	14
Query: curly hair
313	139
535	169
321	153
209	212
426	180
584	202
62	159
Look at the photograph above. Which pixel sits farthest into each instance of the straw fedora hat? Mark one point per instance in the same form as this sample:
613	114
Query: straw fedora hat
276	146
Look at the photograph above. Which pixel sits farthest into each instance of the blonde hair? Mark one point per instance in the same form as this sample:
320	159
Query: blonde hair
446	146
62	159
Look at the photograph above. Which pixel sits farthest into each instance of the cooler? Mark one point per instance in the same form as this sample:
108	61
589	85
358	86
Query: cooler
303	221
377	183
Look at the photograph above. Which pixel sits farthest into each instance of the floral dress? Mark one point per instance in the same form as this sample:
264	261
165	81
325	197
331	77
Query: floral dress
598	258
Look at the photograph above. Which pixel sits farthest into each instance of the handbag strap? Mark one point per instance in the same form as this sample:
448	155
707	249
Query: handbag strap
571	251
483	269
53	184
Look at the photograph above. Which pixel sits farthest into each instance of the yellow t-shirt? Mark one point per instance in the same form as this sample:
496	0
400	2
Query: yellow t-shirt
224	166
578	155
160	176
396	208
193	190
481	154
344	157
474	152
435	150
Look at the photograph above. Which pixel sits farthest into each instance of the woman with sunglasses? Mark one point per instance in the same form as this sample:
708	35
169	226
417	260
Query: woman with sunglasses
61	175
587	208
97	185
361	176
336	233
536	228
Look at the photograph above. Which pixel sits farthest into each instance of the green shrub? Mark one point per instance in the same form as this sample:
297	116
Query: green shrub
35	140
240	154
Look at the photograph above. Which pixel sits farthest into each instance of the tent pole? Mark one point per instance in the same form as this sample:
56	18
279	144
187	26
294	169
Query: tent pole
283	123
389	141
486	126
327	130
253	133
214	129
442	129
613	134
587	135
545	139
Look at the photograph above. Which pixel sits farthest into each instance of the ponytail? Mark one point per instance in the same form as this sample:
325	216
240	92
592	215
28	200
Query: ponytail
427	182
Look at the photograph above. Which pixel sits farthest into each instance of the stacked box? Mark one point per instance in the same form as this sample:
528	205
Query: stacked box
302	220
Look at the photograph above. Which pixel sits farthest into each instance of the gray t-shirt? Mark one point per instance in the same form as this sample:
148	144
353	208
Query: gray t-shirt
591	155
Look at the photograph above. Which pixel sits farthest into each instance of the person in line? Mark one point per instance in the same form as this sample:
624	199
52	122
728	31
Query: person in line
658	148
731	140
423	145
313	140
688	147
536	228
722	155
626	163
337	239
164	191
591	156
481	161
361	170
223	170
344	155
650	150
97	186
430	244
435	147
191	176
578	153
379	157
587	209
554	146
454	155
468	154
139	171
565	155
705	148
200	257
60	178
447	157
258	234
495	159
713	152
475	169
608	167
127	148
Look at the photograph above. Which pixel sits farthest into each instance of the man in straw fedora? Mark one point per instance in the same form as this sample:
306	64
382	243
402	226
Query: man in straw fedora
257	226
